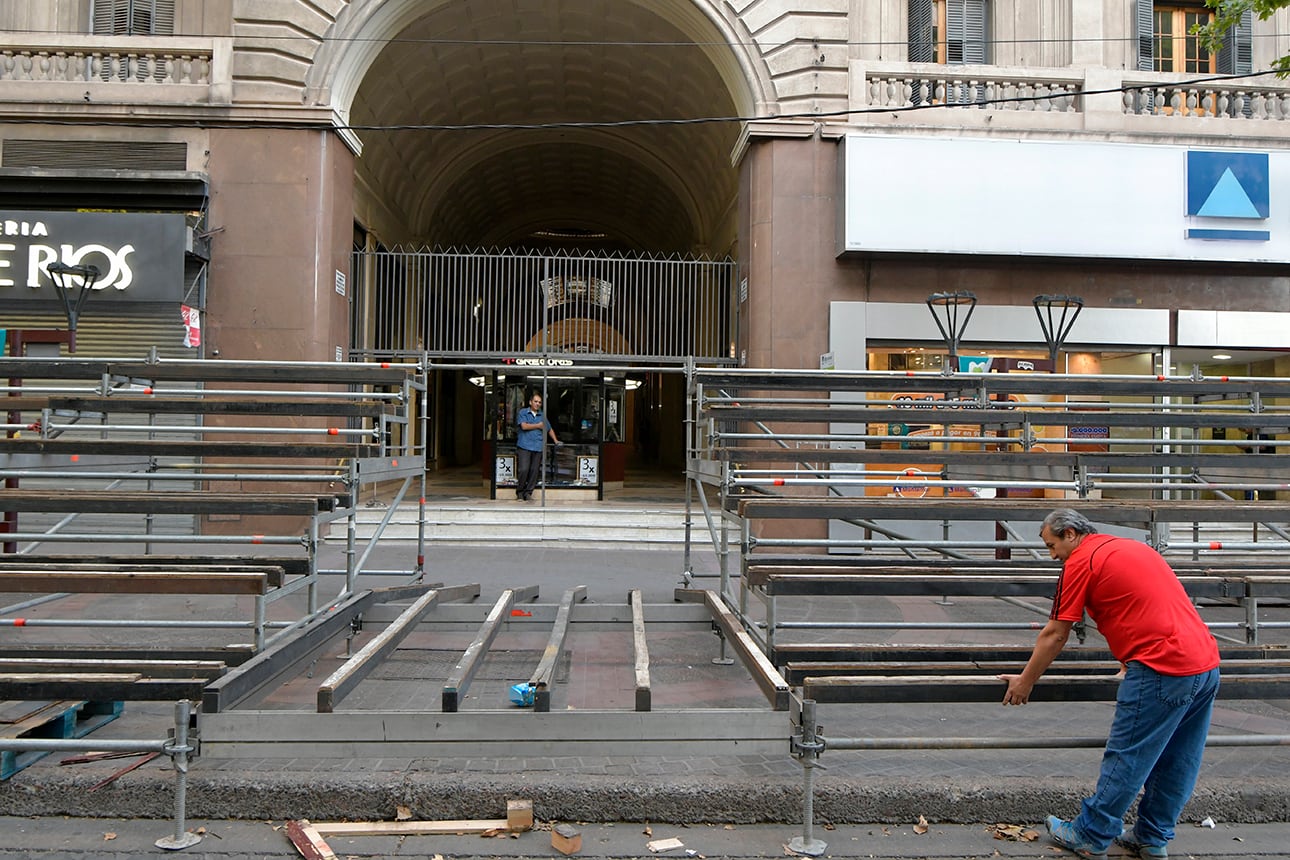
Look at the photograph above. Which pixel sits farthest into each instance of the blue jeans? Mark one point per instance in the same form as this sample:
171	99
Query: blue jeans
1156	742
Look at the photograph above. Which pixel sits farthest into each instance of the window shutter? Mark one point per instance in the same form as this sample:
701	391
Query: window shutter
921	18
1144	26
110	17
1236	57
965	31
132	17
163	17
974	31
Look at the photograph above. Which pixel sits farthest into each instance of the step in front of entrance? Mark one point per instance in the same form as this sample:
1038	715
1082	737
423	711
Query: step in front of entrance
525	523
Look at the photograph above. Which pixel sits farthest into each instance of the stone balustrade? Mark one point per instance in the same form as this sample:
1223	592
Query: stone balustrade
1240	99
978	86
87	66
992	88
98	59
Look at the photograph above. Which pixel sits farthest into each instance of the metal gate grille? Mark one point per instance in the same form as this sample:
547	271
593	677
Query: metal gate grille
460	304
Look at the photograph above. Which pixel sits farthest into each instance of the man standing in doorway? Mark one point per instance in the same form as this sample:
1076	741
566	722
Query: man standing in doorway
1163	706
528	447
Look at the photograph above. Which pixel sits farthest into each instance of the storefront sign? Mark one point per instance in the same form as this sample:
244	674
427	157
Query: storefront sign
539	362
140	256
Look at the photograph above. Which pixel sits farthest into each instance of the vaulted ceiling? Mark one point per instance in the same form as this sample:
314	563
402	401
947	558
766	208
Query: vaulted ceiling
655	188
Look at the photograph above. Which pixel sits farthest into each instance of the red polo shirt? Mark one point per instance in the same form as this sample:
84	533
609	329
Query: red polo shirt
1138	604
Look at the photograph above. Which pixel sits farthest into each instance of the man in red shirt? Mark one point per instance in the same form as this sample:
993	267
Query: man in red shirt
1164	702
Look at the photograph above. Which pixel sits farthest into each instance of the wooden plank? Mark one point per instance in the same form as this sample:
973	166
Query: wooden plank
879	585
187	371
163	502
261	669
1010	416
232	655
830	651
544	675
1069	461
292	565
1052	688
640	650
41	715
966	385
1136	512
213	403
454	688
308	841
139	582
146	668
767	678
327	452
274	574
798	672
409	828
341	682
123	686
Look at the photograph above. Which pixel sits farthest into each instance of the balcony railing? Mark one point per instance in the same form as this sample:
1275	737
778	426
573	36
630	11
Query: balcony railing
986	87
1236	100
1072	91
173	70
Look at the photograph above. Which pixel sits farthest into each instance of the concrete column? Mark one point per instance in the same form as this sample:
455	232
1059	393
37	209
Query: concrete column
282	207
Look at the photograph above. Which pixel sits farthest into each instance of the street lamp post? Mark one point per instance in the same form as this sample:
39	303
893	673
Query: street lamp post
69	280
1057	316
950	306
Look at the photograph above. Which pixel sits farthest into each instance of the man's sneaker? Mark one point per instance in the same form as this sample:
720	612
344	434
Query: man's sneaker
1064	834
1128	839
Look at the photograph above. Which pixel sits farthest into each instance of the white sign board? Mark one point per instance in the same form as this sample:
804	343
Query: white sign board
1057	199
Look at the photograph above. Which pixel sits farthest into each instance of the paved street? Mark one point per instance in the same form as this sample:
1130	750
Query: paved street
116	839
736	806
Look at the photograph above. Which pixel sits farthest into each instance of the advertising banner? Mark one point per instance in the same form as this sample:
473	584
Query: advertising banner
1063	199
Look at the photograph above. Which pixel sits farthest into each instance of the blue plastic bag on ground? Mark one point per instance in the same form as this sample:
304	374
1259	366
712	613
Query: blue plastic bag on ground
522	695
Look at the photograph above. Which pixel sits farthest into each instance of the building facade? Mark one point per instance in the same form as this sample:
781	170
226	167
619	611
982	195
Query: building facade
851	158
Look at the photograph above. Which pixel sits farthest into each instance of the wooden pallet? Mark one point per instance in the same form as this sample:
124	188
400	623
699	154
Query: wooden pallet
60	720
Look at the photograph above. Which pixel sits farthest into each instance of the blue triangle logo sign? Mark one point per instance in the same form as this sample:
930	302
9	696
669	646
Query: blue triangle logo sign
1228	200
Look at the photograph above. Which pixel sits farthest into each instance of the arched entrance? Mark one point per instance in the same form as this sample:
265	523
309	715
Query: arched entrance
563	129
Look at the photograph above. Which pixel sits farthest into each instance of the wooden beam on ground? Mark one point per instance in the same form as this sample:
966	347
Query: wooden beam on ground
275	574
261	669
308	841
641	651
464	672
341	682
543	676
772	684
410	828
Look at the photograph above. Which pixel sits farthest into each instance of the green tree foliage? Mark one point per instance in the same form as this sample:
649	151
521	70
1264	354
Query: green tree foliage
1227	14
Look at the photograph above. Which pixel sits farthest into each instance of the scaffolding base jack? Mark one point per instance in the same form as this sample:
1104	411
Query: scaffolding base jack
806	747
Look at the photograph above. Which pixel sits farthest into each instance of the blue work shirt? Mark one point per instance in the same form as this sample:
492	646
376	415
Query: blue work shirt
530	440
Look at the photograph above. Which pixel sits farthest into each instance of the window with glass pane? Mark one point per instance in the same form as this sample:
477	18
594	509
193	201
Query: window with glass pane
1176	49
